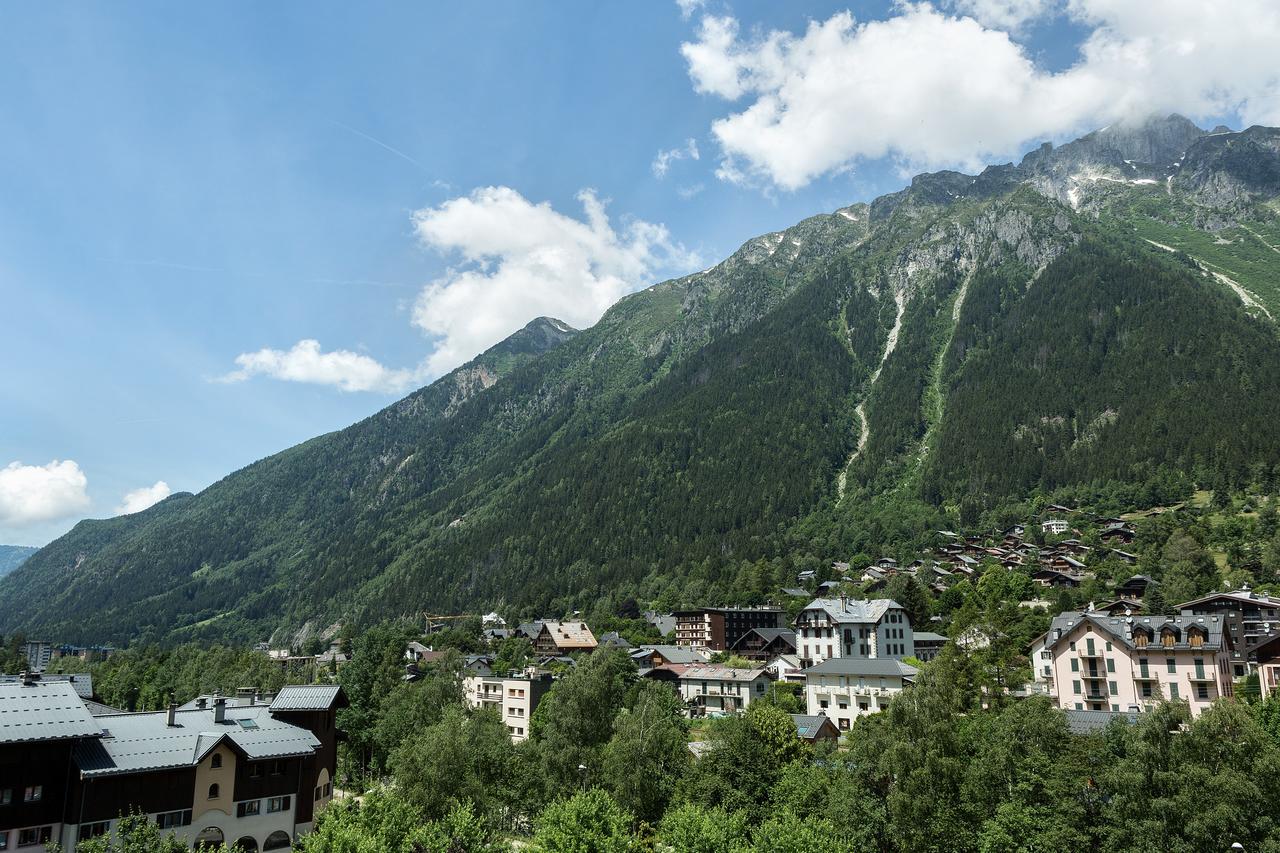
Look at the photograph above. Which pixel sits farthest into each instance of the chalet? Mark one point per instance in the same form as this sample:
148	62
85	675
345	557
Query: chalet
1123	556
561	638
1134	587
655	656
814	729
928	645
786	668
1118	532
1120	607
765	644
1108	663
1055	526
1056	578
247	772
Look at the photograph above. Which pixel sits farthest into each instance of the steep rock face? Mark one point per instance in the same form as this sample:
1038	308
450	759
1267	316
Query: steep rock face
963	340
1233	170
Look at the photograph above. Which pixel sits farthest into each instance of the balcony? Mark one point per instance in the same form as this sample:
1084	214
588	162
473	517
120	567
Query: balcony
1086	653
1145	676
1203	678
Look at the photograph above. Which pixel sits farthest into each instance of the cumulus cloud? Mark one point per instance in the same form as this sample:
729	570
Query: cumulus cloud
139	499
30	494
343	369
688	7
1004	14
662	163
931	89
520	260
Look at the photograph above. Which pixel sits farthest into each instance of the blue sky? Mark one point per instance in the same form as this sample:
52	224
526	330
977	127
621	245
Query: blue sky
183	186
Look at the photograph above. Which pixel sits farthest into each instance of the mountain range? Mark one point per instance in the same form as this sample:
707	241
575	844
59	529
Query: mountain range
1099	316
12	556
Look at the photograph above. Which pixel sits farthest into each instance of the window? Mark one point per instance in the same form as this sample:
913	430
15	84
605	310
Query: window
169	820
1173	691
249	808
1167	639
6	796
1140	639
1111	664
1172	664
1079	707
328	786
1115	708
213	791
216	761
1075	686
92	830
278	804
1108	645
35	835
1115	691
1075	664
1146	690
277	768
1196	640
255	771
33	794
1202	691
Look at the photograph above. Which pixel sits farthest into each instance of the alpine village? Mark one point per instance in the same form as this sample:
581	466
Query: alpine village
944	522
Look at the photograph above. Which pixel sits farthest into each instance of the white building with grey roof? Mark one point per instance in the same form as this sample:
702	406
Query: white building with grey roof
851	628
844	689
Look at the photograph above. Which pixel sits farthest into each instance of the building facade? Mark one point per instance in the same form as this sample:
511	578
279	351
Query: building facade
719	628
1099	662
714	687
514	696
843	689
1249	618
250	774
848	628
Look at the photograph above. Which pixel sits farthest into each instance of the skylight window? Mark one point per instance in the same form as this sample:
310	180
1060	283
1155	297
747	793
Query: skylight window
248	724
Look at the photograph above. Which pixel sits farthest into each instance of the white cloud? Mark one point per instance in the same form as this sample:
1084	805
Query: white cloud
344	369
934	90
688	7
662	163
33	493
1004	14
521	260
139	499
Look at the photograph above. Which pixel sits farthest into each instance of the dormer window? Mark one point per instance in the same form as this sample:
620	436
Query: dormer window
1140	639
1195	638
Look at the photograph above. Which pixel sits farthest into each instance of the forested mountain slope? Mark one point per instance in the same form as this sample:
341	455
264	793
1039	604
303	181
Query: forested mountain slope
858	377
12	556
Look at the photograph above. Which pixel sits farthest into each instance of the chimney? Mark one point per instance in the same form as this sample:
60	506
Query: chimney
202	703
219	710
171	719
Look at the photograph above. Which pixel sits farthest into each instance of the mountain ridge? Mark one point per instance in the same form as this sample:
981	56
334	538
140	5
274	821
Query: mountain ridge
823	390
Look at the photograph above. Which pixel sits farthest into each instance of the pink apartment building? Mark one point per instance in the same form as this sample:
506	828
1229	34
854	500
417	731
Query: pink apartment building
1094	661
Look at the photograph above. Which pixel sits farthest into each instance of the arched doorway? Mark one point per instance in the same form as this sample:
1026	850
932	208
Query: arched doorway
248	844
210	836
278	840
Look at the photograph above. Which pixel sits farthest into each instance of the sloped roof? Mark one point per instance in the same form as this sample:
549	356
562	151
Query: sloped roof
853	610
863	666
1086	722
809	725
1120	628
136	743
569	635
309	697
81	681
43	711
769	635
673	654
1239	596
928	636
717	672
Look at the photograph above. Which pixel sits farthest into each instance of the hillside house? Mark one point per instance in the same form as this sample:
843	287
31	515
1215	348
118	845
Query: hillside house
714	687
850	628
719	628
844	689
514	696
562	638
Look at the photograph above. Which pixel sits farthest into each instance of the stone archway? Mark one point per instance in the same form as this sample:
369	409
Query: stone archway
247	844
278	840
210	836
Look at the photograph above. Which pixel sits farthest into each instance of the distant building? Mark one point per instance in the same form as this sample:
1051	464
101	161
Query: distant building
715	687
815	729
928	644
1100	662
765	643
648	657
1056	526
850	628
514	695
844	689
561	638
718	628
38	655
1248	617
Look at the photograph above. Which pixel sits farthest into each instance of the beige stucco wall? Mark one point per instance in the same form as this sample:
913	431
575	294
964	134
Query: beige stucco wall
224	777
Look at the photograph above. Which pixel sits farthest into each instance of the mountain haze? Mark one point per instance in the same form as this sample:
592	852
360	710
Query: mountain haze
1100	313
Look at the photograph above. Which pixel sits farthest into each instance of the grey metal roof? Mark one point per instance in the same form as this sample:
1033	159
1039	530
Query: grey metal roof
1086	722
863	666
43	711
808	725
853	610
928	637
1120	628
673	654
309	697
136	743
82	681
